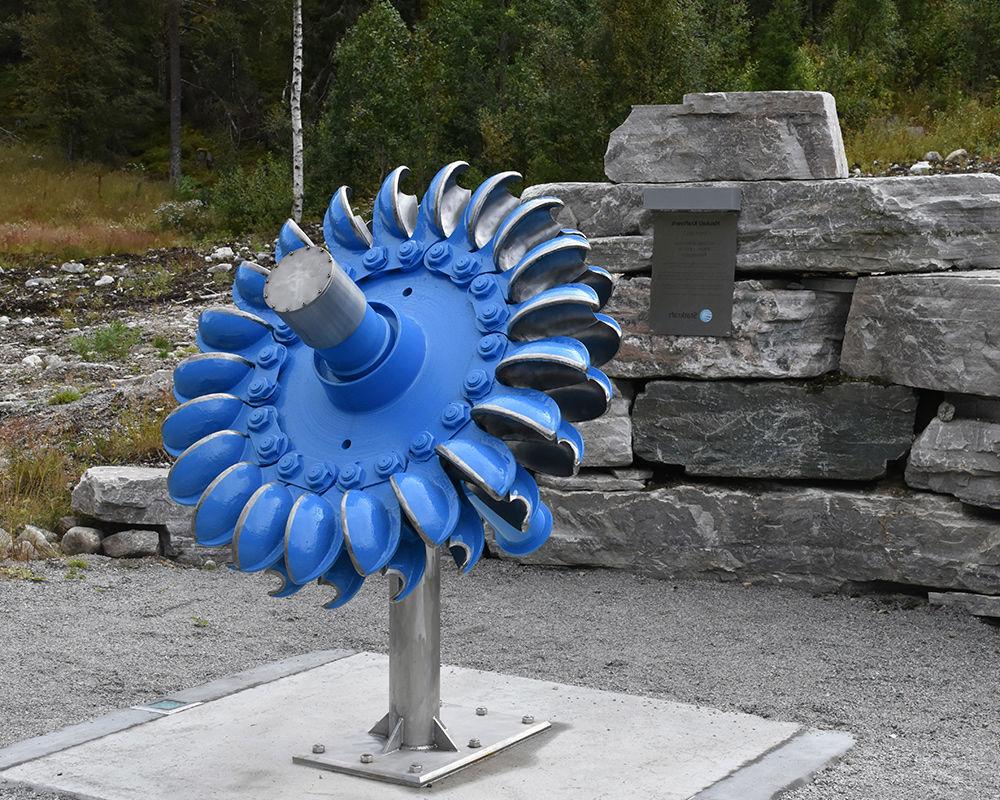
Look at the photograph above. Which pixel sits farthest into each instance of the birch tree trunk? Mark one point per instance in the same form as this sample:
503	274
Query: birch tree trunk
174	48
296	110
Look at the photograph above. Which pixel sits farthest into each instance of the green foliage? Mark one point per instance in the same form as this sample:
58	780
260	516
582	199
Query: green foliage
533	85
61	397
114	341
88	75
370	122
254	198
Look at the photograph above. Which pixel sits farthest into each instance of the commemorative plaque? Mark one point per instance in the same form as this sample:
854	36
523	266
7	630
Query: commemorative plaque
694	259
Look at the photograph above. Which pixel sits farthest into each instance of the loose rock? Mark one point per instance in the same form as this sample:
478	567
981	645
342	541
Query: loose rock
130	495
131	544
81	540
6	544
104	280
73	267
40	539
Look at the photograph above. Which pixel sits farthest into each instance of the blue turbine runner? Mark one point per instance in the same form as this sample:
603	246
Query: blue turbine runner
472	344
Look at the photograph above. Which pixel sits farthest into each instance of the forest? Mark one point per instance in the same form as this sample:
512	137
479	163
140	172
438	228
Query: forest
532	85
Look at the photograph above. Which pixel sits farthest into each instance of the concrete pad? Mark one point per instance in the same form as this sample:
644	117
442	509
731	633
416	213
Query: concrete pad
601	744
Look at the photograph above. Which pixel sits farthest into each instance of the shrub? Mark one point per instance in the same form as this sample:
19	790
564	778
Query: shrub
254	199
114	341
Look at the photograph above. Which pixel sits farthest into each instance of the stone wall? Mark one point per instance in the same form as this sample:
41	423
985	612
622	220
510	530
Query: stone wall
848	431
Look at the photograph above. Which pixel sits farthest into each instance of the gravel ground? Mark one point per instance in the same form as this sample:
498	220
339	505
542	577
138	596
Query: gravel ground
916	685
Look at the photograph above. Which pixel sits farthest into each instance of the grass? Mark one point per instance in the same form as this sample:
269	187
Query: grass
66	395
34	487
114	341
164	347
973	125
74	569
48	206
21	574
35	482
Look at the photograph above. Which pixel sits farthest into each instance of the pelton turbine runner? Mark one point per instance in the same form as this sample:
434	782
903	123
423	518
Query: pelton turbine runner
365	403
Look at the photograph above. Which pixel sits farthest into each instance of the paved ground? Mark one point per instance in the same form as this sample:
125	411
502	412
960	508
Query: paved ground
916	685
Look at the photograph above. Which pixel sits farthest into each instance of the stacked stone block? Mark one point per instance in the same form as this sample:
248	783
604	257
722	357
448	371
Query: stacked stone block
803	448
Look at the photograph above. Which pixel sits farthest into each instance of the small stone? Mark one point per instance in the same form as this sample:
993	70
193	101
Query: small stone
132	544
933	156
4	321
40	539
6	544
104	280
220	268
27	321
32	283
73	267
81	540
956	155
920	168
33	361
53	360
223	254
946	412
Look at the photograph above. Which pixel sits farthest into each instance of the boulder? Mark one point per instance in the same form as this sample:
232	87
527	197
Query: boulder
960	457
929	331
738	136
607	440
131	544
769	429
129	495
778	332
979	605
819	538
80	540
854	225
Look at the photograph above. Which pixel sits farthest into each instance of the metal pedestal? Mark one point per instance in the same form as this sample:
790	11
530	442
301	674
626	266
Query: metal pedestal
420	740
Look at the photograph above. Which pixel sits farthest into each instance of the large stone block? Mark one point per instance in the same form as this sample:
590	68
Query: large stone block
812	537
928	331
855	225
608	439
738	136
960	457
764	429
129	495
622	254
778	332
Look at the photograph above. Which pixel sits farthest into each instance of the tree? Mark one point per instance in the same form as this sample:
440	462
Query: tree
370	123
174	58
295	101
88	74
778	36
